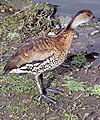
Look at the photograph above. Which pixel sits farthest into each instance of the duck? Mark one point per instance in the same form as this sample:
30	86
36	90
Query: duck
45	54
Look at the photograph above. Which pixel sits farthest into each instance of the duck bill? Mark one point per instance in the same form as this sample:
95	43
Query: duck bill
95	18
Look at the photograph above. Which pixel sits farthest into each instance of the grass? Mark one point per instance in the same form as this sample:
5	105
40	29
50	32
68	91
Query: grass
95	90
17	83
79	60
73	85
23	84
13	35
70	116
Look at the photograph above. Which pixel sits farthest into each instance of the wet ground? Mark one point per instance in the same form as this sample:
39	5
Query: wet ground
77	79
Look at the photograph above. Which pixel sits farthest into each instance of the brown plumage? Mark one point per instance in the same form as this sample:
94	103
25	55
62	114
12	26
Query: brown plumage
42	54
37	50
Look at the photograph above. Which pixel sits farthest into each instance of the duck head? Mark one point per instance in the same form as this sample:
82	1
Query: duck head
83	16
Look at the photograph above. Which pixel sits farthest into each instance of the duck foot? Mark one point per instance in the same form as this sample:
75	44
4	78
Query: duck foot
52	90
47	99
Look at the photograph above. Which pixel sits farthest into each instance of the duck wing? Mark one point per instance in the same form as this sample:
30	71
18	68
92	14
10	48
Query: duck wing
35	50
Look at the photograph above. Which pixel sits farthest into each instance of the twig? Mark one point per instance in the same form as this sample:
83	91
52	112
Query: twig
11	4
23	9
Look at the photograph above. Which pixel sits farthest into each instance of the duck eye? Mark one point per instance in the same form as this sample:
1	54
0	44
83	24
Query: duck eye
89	14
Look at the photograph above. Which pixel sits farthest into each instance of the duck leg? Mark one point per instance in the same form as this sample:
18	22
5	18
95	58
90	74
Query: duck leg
52	90
42	84
43	90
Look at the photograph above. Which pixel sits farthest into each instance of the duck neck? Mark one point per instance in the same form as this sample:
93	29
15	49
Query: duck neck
66	31
69	26
65	39
66	36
